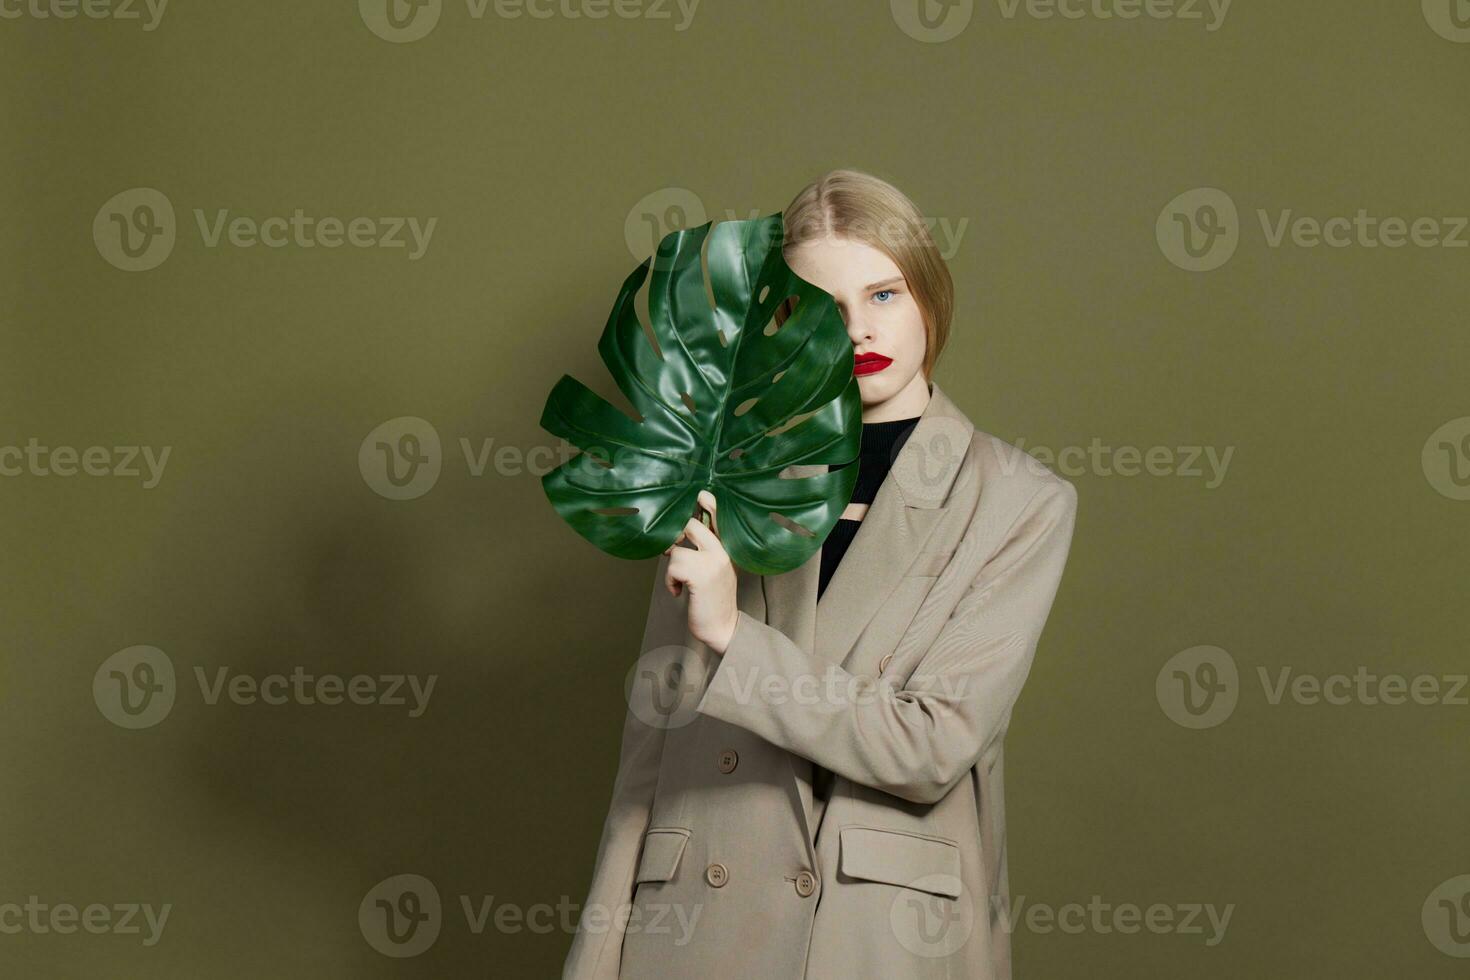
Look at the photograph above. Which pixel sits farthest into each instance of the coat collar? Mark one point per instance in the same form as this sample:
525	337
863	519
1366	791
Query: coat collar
908	504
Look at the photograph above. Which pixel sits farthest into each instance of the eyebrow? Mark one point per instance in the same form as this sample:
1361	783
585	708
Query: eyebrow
880	285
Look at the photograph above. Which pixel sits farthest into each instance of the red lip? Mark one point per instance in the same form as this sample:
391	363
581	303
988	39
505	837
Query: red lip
869	363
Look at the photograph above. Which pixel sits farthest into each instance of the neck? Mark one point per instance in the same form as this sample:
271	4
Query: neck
906	403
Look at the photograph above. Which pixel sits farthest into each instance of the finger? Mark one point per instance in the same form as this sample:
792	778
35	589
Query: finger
674	577
707	501
684	533
702	536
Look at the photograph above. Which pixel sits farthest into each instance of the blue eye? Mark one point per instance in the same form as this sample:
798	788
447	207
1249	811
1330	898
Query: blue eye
883	292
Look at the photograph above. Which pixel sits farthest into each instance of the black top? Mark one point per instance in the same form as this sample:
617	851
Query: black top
881	443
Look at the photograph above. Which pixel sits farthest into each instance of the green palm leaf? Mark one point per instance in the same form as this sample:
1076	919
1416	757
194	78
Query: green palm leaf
728	400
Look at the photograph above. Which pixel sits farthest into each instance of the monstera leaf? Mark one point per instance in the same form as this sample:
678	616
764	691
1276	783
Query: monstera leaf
727	399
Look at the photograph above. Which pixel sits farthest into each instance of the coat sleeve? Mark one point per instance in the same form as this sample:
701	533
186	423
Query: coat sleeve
918	741
596	951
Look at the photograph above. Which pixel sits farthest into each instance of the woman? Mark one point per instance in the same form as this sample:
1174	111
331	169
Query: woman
818	790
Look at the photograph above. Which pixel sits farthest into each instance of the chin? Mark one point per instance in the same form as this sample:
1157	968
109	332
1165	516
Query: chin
878	388
874	391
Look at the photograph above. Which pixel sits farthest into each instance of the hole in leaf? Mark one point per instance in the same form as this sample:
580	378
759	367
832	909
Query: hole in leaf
792	526
782	314
724	341
765	291
779	375
709	289
791	423
615	511
745	406
689	402
640	308
737	452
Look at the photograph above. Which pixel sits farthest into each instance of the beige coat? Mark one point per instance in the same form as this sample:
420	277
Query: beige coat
717	860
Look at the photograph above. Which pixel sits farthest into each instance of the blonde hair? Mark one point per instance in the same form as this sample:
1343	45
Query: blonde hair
861	207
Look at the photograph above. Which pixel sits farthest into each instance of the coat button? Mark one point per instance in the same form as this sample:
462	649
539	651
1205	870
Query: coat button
716	875
806	883
729	759
883	664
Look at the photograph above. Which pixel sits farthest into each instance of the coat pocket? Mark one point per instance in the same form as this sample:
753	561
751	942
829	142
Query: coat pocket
929	864
662	848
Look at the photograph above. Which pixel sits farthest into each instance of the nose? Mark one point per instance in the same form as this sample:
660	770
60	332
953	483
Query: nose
858	329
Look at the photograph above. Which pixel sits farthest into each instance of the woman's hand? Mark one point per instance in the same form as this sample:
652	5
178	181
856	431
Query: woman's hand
706	570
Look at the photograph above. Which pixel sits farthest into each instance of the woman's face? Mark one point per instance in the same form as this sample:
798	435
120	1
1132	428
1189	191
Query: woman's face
883	321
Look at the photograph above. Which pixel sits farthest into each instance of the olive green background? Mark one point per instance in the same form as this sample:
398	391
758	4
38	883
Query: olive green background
537	144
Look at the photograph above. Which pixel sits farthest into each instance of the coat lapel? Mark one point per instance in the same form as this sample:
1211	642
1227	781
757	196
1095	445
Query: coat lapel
904	512
908	504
